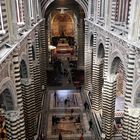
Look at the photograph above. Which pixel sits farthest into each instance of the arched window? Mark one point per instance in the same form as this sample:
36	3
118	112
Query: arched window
23	70
20	12
31	12
2	30
92	8
120	10
37	7
102	8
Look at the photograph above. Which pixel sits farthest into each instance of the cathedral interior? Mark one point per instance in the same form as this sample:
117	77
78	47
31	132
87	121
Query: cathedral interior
69	70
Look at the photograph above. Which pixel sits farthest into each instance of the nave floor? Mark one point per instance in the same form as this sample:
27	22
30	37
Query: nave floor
69	117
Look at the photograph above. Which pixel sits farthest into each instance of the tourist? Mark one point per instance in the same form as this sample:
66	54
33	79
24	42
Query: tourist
55	97
82	138
72	110
60	136
53	120
65	101
90	124
86	105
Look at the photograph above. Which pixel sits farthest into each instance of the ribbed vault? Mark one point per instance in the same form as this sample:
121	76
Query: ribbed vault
47	5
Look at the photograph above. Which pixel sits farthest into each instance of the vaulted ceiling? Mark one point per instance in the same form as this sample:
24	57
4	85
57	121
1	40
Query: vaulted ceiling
77	6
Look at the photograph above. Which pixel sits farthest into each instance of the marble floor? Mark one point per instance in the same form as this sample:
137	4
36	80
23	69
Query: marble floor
68	117
63	111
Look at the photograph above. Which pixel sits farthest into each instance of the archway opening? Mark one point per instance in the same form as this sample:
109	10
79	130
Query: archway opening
101	52
117	69
23	70
100	63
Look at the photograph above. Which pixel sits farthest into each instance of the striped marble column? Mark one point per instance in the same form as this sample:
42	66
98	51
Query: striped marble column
88	71
29	108
43	55
97	85
17	79
133	127
12	119
37	76
93	62
81	44
106	57
129	86
29	97
108	109
87	67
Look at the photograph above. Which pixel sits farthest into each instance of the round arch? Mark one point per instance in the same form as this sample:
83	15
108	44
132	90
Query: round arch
5	84
23	69
118	57
24	60
91	40
46	4
100	46
101	51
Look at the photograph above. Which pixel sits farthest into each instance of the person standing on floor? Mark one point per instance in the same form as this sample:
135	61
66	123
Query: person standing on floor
81	138
55	97
60	136
90	124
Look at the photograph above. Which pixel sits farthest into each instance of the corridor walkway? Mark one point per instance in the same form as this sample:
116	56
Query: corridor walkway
64	112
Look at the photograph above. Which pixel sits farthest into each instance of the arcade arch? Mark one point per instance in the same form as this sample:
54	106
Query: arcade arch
118	72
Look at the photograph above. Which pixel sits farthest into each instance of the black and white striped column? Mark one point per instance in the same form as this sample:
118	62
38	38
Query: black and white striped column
106	57
19	95
29	96
133	123
97	83
81	43
37	76
128	92
43	55
87	67
108	109
12	119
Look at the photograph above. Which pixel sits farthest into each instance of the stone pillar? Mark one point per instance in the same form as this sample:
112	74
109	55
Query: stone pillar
89	8
108	110
19	95
87	67
81	43
133	20
129	86
29	107
97	84
12	119
108	5
37	76
13	27
106	57
43	55
28	93
133	123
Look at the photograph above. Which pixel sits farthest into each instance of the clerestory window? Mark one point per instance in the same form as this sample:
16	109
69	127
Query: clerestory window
2	30
122	11
20	12
102	9
31	12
